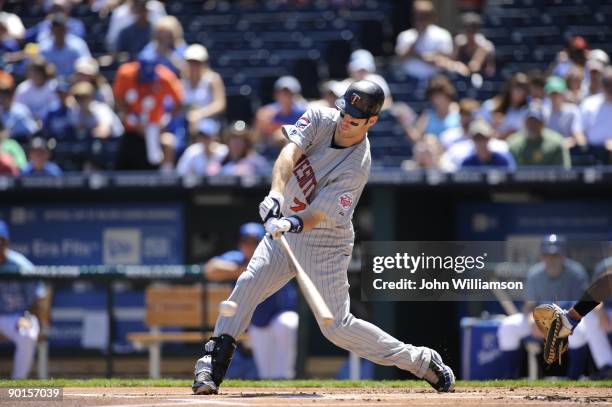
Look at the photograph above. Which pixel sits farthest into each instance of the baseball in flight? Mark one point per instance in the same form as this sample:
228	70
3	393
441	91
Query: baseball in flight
227	308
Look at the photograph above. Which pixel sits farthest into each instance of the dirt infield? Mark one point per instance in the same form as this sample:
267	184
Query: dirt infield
319	397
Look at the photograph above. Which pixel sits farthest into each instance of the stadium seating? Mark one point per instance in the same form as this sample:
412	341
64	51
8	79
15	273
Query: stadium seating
251	45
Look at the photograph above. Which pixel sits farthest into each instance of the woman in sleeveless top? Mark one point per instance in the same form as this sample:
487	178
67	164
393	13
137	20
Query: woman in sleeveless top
204	92
443	113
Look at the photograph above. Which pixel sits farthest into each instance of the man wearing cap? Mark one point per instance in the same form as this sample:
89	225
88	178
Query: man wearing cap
17	299
536	145
481	133
286	109
459	145
554	278
39	164
203	157
273	329
317	181
90	118
133	38
147	96
361	65
592	78
596	114
562	117
62	49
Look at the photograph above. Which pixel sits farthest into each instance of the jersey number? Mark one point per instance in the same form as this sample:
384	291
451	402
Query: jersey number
297	206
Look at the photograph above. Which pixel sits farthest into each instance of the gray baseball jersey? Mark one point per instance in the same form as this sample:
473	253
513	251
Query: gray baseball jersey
327	178
331	180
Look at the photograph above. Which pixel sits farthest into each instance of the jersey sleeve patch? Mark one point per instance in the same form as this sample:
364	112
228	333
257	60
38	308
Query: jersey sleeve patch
302	122
345	201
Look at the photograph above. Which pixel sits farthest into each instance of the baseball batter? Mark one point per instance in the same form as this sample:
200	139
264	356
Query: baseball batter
316	183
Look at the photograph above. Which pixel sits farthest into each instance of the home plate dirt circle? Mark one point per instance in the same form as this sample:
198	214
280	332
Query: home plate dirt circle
319	397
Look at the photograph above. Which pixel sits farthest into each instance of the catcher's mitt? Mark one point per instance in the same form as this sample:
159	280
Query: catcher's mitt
554	325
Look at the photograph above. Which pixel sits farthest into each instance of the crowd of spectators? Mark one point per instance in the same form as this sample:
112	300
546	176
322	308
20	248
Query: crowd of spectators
165	106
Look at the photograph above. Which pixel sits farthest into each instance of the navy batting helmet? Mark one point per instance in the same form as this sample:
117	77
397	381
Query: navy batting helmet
362	100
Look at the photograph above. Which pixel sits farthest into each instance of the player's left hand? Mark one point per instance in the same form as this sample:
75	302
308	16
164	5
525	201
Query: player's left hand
271	206
276	227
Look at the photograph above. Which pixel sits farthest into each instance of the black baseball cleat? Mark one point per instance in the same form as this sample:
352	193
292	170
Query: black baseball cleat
210	369
204	384
438	375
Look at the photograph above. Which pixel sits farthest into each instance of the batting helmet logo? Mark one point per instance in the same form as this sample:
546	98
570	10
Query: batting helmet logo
355	98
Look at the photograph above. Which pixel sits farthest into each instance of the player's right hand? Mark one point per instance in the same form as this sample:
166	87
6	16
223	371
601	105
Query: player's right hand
276	227
270	207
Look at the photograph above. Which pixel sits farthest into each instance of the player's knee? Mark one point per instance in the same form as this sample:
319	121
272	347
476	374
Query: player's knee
334	331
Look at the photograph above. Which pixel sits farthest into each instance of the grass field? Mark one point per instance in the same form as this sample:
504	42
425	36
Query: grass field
316	393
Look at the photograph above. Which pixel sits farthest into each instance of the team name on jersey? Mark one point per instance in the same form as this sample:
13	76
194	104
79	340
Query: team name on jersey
305	176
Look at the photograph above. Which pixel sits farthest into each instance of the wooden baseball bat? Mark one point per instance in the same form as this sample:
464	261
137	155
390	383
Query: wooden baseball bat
313	297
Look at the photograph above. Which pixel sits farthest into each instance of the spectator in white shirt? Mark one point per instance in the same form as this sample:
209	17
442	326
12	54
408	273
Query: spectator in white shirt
592	86
87	69
92	119
12	22
362	66
596	114
37	92
425	48
203	157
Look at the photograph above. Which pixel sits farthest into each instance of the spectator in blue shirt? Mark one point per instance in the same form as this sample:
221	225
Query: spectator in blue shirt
62	49
133	38
39	164
481	132
56	124
273	330
17	298
16	117
42	30
443	112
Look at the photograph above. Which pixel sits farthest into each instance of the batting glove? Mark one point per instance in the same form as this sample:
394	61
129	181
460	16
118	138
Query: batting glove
271	206
276	227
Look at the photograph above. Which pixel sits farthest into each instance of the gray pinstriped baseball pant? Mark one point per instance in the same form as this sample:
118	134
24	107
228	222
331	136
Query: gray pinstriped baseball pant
269	270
